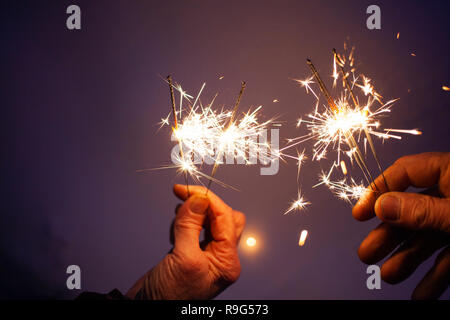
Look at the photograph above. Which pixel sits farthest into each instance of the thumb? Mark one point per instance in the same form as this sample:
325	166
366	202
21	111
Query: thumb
189	223
414	211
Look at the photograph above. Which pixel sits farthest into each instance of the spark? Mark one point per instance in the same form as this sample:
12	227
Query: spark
299	204
164	121
413	54
206	135
301	157
343	189
343	167
307	85
302	239
339	125
275	100
413	131
398	35
445	88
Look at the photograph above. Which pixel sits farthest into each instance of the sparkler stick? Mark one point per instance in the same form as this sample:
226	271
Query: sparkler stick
349	137
356	104
203	132
172	99
344	77
230	122
322	86
342	122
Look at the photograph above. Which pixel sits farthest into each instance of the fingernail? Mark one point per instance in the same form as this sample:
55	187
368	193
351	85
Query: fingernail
390	208
199	204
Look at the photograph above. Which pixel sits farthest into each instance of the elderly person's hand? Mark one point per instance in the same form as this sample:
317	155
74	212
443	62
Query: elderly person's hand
415	225
194	269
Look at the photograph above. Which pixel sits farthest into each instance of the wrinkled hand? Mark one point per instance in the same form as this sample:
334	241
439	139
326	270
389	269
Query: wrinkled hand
194	270
416	225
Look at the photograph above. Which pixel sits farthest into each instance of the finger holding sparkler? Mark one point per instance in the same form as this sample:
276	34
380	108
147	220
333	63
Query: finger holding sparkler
422	170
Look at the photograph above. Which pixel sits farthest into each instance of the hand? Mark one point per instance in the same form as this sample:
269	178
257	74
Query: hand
194	270
418	224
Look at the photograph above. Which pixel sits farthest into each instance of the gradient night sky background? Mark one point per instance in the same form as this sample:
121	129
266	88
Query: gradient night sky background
79	115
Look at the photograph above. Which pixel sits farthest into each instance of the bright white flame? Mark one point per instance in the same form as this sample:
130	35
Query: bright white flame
205	133
338	125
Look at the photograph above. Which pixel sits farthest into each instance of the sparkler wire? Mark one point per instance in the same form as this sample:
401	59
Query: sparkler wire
348	135
172	99
230	122
369	138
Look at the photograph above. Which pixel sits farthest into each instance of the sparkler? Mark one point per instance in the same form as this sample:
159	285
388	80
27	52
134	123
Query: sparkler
342	124
205	135
185	165
343	120
227	136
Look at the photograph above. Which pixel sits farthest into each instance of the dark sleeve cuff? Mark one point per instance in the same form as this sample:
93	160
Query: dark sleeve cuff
112	295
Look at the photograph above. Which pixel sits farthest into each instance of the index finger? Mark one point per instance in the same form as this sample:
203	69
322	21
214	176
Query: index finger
421	170
222	219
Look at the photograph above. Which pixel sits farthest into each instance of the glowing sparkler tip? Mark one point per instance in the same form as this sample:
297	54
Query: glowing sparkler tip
340	124
204	134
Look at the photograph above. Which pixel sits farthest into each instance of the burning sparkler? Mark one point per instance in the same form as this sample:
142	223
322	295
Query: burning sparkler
342	125
184	166
205	135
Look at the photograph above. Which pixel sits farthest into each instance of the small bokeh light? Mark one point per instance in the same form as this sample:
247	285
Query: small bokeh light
251	242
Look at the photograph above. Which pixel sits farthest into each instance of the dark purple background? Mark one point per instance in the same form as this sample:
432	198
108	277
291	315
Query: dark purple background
80	108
